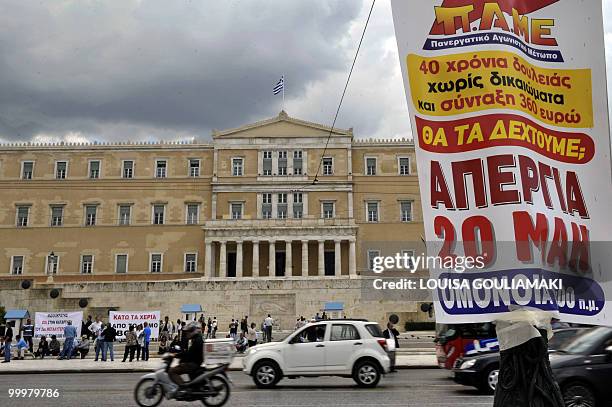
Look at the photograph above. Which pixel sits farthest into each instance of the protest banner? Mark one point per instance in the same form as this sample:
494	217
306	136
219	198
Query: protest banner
121	320
53	323
509	112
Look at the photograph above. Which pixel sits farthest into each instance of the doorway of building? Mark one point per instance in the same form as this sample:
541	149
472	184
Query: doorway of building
330	263
280	264
231	264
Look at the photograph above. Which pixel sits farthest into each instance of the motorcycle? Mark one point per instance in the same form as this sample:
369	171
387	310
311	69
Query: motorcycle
210	386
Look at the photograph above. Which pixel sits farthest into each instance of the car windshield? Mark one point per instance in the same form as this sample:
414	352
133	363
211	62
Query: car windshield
563	336
583	343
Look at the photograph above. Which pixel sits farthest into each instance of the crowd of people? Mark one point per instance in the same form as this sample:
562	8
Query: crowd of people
138	337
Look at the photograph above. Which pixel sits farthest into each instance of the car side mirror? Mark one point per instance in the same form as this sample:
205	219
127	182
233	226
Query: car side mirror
609	349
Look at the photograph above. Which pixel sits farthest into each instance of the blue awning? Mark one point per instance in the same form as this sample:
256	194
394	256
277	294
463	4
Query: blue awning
17	314
191	308
334	306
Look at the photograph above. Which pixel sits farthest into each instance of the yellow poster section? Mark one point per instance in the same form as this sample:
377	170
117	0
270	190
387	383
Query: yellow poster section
471	82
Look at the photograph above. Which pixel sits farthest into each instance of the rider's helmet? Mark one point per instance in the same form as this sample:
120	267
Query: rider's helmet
191	327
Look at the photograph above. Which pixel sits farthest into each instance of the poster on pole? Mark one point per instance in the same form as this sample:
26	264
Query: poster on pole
121	321
53	323
508	105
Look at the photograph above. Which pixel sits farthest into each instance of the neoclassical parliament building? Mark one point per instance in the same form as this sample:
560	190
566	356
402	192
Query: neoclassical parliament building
280	216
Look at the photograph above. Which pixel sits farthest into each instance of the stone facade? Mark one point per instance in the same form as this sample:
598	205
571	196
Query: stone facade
262	217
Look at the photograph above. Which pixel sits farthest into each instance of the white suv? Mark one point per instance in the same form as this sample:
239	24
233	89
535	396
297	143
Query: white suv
342	347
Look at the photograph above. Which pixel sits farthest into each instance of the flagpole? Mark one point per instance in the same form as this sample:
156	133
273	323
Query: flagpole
283	106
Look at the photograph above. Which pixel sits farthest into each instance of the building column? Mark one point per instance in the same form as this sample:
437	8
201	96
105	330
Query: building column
352	258
222	259
239	259
337	258
288	259
321	258
208	263
255	258
304	258
272	259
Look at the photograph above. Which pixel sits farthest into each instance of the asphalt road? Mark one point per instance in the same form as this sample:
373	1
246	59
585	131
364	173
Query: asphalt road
412	387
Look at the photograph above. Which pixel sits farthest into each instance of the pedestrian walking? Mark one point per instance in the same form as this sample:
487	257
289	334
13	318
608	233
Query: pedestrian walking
147	339
392	334
27	330
131	342
214	327
110	335
70	333
268	322
244	324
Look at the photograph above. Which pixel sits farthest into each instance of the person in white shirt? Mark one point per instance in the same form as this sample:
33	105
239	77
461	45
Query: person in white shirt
268	322
139	340
252	335
214	327
96	331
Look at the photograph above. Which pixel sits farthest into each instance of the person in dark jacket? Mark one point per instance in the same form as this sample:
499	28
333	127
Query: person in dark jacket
43	348
85	327
184	337
8	339
192	358
54	346
131	342
393	334
110	334
27	331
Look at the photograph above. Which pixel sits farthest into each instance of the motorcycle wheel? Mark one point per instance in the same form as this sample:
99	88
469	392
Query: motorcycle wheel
222	388
148	394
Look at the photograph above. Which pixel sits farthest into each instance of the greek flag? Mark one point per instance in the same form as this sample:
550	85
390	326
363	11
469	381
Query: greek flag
279	86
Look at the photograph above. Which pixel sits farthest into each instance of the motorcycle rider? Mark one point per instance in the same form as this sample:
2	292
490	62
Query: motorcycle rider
190	359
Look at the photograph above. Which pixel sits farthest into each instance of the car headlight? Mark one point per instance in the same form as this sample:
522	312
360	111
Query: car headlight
468	364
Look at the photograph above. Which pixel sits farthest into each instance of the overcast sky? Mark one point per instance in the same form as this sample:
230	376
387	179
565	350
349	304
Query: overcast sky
88	70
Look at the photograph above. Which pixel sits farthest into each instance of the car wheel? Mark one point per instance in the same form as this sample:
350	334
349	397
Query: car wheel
578	395
366	374
489	380
266	374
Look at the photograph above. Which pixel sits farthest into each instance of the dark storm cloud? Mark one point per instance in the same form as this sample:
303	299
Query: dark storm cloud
160	68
